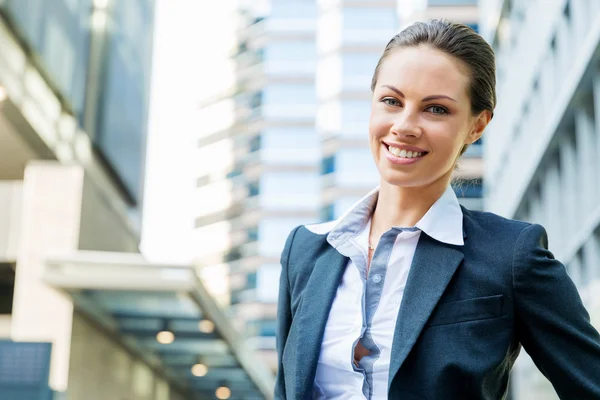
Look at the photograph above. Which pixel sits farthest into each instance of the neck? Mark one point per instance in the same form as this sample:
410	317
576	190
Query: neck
404	206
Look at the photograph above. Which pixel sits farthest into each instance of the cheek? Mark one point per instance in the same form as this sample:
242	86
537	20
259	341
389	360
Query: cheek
447	137
378	125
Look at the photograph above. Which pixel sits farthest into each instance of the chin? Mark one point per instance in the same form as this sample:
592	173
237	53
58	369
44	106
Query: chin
393	178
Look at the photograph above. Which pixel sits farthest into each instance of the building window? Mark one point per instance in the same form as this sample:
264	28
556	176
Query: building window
328	213
255	143
252	234
328	165
263	327
253	189
251	280
233	255
474	26
256	100
231	174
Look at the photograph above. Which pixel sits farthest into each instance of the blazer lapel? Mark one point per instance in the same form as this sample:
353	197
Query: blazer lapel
432	269
317	299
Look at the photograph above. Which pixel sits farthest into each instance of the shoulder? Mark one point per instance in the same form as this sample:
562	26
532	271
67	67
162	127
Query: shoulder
487	223
487	229
306	241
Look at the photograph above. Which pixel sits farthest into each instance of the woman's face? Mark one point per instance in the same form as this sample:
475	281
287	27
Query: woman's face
421	117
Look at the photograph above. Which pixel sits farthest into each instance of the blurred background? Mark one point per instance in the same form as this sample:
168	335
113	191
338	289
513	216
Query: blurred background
154	155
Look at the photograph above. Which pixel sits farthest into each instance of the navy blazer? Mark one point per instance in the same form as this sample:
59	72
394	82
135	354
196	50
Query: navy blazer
465	313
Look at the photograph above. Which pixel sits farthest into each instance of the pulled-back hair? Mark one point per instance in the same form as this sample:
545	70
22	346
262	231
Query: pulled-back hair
461	42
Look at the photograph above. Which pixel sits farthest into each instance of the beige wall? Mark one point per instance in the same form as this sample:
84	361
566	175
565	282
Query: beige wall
5	321
10	218
63	211
51	206
101	369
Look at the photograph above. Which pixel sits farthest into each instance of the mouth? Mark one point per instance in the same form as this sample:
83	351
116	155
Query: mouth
402	155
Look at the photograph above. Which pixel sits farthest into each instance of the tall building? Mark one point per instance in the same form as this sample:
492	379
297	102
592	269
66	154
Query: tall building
259	174
82	314
542	149
351	36
469	183
463	11
287	143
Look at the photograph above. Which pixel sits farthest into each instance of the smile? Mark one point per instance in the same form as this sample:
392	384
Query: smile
403	156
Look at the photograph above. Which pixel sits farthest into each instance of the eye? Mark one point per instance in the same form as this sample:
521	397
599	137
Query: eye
438	110
390	101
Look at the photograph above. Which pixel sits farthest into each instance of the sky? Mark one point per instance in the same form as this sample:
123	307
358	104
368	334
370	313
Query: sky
191	44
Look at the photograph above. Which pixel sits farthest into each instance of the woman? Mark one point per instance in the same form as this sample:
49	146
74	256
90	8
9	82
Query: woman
409	295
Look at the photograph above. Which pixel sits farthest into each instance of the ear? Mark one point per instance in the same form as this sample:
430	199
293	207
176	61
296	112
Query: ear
479	125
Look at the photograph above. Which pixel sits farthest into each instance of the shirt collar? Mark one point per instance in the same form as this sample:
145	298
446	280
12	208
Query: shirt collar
443	221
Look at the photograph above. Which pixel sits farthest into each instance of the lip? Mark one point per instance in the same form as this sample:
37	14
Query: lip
402	161
405	147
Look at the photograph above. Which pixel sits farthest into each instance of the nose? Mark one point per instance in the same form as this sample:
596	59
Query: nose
406	124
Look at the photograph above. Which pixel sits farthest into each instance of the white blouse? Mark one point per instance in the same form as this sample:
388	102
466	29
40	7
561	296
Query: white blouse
365	307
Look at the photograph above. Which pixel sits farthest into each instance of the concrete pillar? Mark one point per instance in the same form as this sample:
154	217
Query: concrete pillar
551	193
579	20
584	128
569	187
51	211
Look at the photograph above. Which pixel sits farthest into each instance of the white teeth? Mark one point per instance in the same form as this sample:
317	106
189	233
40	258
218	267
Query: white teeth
403	153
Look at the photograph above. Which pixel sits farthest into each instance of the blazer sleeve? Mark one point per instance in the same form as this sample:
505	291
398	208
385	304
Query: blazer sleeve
552	324
284	315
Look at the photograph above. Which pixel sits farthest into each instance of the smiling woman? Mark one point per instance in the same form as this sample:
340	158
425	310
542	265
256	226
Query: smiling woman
408	295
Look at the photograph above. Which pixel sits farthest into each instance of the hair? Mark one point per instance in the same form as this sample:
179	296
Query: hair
461	42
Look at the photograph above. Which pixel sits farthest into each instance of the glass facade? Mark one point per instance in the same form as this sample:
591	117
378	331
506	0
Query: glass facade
358	69
365	26
61	34
355	168
123	108
289	101
297	57
290	190
275	146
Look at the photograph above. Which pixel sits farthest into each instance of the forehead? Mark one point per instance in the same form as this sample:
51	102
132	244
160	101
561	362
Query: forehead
424	70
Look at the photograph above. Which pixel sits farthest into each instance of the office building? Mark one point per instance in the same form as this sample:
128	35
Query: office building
82	314
542	149
463	11
258	171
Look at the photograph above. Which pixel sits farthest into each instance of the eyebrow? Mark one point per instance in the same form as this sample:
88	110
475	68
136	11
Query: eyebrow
428	98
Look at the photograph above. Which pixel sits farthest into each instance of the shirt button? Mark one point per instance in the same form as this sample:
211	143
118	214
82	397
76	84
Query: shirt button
376	278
